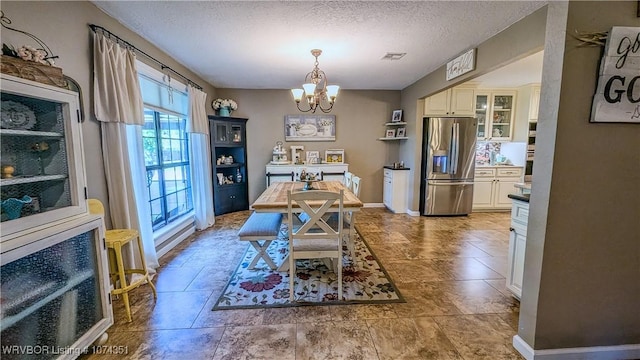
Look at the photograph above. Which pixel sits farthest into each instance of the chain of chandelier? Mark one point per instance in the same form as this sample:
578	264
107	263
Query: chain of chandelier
315	90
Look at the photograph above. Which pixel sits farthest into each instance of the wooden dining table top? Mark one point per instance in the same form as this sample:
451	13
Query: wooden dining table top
274	198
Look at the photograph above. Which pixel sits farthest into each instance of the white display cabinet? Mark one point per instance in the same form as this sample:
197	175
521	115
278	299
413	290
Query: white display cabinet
54	274
55	291
42	175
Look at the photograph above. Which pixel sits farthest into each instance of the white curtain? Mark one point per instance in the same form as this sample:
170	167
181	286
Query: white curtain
200	155
118	105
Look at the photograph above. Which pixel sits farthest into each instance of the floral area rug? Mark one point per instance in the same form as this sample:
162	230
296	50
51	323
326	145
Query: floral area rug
364	280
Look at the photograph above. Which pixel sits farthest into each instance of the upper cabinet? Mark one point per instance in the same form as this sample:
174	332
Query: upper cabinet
495	111
43	175
451	102
535	103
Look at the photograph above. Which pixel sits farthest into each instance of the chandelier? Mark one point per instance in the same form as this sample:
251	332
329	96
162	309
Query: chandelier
319	95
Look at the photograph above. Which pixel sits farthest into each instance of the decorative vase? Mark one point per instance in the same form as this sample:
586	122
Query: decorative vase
12	206
224	111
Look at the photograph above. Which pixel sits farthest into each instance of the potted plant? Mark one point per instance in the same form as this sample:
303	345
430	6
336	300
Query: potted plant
224	107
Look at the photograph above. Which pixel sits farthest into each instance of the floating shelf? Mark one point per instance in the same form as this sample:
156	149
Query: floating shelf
395	123
393	138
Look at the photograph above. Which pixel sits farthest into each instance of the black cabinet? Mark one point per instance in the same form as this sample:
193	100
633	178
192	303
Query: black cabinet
229	162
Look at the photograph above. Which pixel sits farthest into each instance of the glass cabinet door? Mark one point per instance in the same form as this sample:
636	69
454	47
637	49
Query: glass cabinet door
236	133
221	132
501	118
55	291
42	173
482	101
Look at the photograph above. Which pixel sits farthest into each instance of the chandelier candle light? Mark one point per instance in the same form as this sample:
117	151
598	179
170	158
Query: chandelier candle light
316	89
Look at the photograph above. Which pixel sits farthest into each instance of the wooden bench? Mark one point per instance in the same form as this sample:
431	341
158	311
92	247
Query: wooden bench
261	227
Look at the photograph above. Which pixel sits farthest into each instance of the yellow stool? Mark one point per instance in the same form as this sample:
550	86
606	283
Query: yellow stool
116	239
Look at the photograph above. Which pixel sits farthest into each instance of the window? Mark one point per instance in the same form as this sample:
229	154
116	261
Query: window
166	147
166	158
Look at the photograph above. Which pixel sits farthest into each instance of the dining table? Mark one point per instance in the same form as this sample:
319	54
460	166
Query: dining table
274	199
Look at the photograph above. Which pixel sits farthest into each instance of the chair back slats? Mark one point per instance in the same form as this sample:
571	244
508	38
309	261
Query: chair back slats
355	185
347	180
315	203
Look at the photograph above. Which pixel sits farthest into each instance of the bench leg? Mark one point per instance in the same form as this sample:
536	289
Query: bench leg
262	254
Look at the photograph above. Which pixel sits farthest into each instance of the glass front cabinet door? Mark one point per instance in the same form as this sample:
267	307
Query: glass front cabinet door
55	291
42	175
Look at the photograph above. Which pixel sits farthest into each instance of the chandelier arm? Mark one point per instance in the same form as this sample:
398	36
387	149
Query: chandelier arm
298	105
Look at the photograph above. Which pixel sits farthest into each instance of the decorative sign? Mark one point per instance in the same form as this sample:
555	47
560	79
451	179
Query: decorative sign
617	97
310	128
461	65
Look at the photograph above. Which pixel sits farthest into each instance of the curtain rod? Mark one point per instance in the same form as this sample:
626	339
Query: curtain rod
111	35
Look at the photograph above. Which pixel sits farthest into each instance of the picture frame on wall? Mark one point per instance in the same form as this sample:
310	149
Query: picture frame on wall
310	127
396	116
400	132
391	133
334	156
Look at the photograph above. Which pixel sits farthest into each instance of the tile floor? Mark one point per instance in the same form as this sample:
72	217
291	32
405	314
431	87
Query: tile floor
451	270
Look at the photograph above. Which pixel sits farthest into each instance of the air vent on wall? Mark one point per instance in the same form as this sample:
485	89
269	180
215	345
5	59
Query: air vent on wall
393	56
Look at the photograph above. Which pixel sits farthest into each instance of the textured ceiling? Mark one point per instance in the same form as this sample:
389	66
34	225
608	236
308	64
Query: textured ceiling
266	44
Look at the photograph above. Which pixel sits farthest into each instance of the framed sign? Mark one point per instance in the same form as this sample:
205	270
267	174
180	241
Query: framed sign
310	128
334	156
461	65
617	97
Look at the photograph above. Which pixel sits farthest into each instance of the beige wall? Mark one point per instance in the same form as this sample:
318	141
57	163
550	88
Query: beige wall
519	40
582	266
360	117
63	26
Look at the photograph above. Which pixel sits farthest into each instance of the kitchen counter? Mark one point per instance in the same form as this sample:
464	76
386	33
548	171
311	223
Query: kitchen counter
521	197
390	167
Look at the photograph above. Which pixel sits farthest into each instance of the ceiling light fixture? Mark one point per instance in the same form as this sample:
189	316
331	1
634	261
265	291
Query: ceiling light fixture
317	92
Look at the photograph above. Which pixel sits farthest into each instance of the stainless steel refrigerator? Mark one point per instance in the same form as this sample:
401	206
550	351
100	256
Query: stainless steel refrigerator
448	164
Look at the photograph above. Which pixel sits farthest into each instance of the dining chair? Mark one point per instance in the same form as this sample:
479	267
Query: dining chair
347	179
115	239
355	185
314	238
349	216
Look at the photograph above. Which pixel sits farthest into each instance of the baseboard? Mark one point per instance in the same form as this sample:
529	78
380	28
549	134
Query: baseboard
373	205
171	244
413	213
617	352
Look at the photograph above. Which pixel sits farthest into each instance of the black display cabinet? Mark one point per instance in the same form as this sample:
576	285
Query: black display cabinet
229	162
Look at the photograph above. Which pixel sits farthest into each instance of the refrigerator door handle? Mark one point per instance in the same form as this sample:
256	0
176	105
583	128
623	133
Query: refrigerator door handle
455	147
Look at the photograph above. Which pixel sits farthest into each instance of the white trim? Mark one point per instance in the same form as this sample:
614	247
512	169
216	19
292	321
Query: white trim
166	232
373	205
413	213
617	352
188	232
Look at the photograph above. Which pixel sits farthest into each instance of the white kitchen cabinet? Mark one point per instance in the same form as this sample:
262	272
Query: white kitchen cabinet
291	172
451	102
495	110
492	185
396	182
517	245
534	103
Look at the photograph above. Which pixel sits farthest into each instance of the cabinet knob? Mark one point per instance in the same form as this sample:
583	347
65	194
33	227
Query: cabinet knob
512	229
